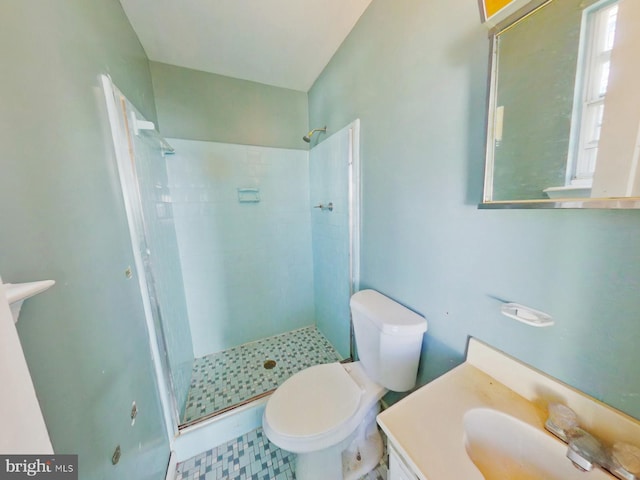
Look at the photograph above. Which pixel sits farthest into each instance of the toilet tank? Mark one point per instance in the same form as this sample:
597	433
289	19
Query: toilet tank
389	339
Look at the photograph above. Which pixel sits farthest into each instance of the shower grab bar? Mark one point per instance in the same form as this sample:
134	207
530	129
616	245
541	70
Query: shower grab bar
328	206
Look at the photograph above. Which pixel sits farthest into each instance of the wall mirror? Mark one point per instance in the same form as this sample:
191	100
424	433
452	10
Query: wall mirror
563	124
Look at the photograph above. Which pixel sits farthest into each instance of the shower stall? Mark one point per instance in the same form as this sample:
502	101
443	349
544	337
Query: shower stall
246	258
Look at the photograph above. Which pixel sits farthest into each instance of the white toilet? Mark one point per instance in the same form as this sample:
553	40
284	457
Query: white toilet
326	414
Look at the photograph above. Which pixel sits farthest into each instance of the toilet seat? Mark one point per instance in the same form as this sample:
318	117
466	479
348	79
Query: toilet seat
314	404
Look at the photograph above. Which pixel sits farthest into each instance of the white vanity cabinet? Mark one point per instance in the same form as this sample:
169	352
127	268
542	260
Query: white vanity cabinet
398	469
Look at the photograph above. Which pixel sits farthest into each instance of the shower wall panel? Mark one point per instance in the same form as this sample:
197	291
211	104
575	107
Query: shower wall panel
329	182
244	236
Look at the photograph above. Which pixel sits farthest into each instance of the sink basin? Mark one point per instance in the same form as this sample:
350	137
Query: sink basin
503	447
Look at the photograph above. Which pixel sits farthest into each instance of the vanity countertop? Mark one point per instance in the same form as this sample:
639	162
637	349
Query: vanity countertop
427	427
432	417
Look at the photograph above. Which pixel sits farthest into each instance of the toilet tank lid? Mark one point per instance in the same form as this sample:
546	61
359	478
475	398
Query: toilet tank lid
388	315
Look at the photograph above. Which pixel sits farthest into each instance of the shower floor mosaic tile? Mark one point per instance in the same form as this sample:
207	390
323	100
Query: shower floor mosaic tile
226	378
249	457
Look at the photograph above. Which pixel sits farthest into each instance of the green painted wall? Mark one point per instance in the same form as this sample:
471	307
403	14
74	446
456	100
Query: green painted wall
196	105
415	73
63	218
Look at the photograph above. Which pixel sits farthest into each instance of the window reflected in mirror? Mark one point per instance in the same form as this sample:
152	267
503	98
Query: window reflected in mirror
596	45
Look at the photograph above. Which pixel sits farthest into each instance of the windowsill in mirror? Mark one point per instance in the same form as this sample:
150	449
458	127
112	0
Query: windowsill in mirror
568	191
595	203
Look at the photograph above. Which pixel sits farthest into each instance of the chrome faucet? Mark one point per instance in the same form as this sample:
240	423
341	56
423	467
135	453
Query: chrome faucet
585	451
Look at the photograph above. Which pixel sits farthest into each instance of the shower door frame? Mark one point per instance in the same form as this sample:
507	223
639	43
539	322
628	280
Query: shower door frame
355	200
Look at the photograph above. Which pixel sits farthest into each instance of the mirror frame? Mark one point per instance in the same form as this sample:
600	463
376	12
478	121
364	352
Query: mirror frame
543	203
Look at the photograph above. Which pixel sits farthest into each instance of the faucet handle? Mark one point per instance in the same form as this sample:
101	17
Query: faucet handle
625	461
562	420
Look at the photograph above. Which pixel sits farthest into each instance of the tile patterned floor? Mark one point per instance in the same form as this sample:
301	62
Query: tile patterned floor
223	379
249	457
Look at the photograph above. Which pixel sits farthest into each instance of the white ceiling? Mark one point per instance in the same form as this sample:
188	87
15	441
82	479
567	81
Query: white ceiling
285	43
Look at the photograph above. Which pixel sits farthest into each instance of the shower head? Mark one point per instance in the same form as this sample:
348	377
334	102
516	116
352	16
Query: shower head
307	137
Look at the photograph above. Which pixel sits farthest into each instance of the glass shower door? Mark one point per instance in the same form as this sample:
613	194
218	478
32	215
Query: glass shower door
141	156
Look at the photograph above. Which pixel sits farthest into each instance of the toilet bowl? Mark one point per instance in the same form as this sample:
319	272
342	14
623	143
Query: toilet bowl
317	414
326	414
